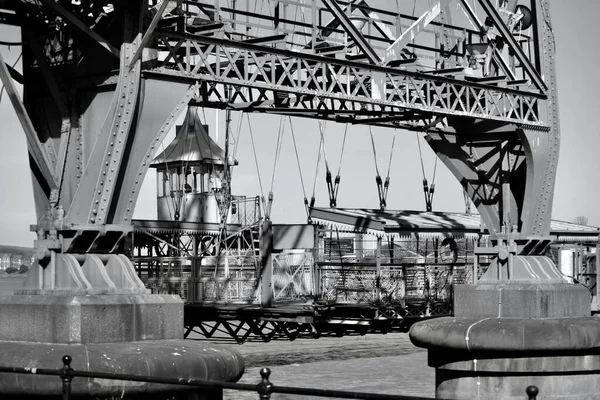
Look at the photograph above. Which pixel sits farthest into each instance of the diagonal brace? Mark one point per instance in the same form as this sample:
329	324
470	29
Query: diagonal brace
477	24
393	52
148	35
36	151
356	35
503	29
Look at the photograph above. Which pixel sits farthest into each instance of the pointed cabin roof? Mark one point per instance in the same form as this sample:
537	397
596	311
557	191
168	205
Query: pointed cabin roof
192	144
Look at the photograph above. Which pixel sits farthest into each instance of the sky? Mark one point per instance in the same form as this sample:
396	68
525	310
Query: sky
577	59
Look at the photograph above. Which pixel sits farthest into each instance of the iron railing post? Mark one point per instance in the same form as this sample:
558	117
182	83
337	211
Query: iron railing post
532	392
65	376
265	387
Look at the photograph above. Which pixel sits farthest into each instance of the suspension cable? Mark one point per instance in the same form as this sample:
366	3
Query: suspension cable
386	184
181	188
374	150
342	151
299	167
321	130
391	154
237	135
262	193
312	199
381	191
277	152
428	191
334	187
420	153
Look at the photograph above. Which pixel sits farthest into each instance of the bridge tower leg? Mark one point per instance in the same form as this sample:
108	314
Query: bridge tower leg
521	324
93	122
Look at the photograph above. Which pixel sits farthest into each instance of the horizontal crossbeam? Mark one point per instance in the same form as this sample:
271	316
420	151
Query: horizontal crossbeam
283	76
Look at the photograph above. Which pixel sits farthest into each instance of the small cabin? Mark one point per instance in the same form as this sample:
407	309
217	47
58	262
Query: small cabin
189	174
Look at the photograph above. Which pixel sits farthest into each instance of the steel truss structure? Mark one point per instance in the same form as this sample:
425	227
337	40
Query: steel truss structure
104	82
318	86
291	322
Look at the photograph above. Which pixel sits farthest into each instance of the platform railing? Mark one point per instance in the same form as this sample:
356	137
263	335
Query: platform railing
214	389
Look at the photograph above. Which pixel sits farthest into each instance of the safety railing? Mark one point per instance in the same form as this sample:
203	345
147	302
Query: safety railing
201	279
263	389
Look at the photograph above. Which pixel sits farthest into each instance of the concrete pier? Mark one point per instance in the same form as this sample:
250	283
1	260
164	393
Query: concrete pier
106	324
507	335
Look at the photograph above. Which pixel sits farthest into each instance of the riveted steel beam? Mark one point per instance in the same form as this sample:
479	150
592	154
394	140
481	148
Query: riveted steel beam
163	102
543	147
267	71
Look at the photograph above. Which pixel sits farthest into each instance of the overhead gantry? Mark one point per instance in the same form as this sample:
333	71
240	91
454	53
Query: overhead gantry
103	83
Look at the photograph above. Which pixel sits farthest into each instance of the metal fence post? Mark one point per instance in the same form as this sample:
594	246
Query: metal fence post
265	387
65	375
532	392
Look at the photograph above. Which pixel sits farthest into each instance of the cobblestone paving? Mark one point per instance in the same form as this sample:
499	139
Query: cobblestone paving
387	364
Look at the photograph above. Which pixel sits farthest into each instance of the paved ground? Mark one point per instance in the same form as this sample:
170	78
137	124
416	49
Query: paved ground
387	364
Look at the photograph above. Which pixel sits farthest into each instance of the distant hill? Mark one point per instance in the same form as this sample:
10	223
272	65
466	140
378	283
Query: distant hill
26	252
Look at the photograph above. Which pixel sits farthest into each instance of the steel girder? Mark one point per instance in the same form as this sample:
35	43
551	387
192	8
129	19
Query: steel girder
263	76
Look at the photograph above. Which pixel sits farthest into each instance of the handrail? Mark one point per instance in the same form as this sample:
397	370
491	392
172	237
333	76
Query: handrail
264	388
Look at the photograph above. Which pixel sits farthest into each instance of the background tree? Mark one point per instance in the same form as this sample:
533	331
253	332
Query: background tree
581	220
